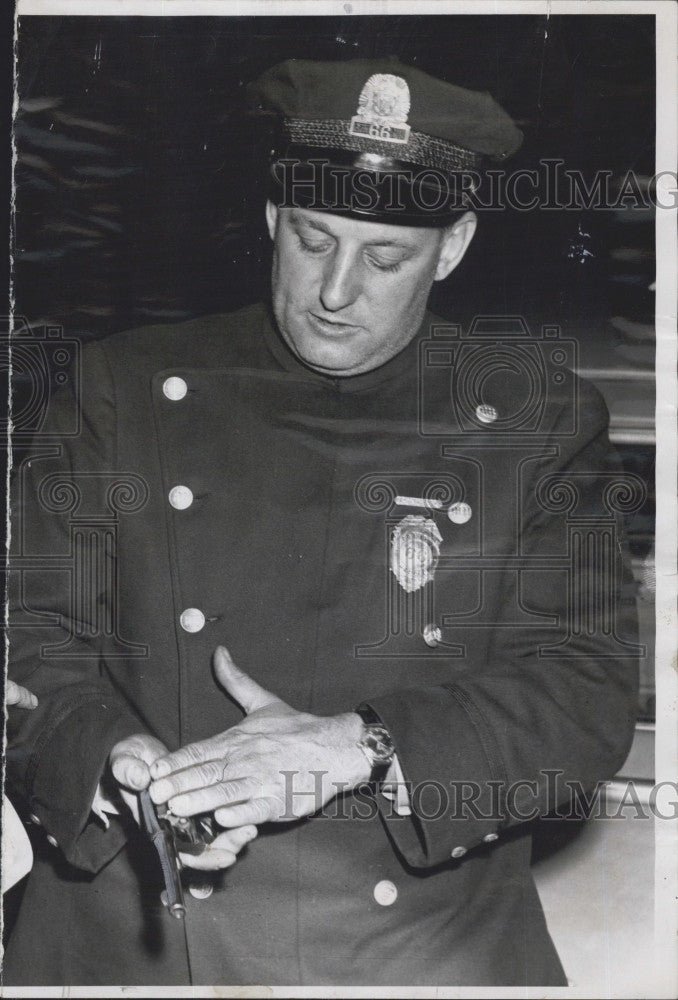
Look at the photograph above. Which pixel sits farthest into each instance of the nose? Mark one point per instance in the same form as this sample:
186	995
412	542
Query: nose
340	284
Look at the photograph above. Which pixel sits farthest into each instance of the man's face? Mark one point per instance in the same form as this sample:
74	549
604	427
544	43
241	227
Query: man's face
348	295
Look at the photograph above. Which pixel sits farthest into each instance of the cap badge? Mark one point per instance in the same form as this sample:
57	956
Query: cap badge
383	106
415	547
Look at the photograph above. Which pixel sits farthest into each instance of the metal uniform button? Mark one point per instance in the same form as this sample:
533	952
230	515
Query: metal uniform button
432	635
52	840
201	891
459	513
490	837
175	388
35	819
192	620
458	852
385	893
486	414
180	497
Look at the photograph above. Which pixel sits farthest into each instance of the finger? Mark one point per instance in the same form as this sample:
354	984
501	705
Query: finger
130	760
209	860
222	852
20	696
131	800
186	757
235	840
208	799
249	695
131	772
189	780
262	810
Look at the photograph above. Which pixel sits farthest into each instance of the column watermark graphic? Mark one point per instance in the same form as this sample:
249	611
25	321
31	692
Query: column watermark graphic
82	508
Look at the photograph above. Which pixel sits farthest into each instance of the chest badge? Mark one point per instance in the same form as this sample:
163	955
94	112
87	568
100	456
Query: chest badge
415	548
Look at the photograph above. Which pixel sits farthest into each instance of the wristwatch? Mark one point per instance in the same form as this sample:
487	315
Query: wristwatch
375	743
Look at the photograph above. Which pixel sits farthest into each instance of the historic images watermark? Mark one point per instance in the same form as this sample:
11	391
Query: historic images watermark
490	801
319	184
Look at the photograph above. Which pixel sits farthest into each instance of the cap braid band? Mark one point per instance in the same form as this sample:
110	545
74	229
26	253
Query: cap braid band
422	150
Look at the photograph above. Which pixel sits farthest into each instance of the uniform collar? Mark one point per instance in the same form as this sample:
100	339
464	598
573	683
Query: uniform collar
404	361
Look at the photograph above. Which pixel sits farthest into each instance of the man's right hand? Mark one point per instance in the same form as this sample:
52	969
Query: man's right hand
130	760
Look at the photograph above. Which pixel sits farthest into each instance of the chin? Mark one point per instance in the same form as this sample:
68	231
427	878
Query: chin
327	366
323	359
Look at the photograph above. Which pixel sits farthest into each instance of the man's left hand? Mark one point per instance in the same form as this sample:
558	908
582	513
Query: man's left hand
276	764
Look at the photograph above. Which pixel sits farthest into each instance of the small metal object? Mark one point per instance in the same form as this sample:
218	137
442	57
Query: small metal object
424	502
174	388
192	620
191	834
172	835
377	746
201	891
486	414
383	107
459	513
415	548
180	497
432	635
385	892
163	840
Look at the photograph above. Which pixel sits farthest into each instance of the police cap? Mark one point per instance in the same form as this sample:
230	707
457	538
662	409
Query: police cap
378	139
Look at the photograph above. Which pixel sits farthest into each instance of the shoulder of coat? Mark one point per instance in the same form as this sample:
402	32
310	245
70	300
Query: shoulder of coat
202	340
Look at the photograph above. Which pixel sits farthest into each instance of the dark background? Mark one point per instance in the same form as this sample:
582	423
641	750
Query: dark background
140	185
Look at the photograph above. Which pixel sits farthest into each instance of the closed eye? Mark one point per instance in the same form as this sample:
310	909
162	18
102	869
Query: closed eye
313	247
387	266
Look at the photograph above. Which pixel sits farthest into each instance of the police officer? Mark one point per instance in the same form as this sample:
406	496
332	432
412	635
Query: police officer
318	583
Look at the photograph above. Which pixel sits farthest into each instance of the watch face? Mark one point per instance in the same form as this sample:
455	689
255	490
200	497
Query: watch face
378	744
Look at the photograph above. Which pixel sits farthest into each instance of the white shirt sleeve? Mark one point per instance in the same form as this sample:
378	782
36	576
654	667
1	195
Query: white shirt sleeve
395	789
103	807
17	853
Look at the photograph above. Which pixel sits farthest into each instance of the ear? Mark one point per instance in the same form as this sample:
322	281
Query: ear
456	239
271	218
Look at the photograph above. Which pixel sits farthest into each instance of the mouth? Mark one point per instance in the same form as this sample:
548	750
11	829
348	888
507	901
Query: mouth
332	327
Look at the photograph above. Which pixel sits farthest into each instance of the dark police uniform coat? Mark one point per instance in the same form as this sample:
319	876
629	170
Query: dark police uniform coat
489	669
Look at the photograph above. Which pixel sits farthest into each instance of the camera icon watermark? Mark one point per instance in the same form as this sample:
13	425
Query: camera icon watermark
41	362
499	378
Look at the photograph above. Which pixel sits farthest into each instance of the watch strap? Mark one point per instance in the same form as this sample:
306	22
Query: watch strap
375	743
